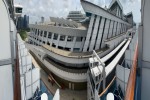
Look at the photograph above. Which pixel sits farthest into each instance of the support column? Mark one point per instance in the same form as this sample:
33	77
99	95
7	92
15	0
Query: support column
105	33
66	37
114	30
51	41
123	28
83	40
46	37
93	39
58	39
118	27
98	42
110	30
74	41
89	33
42	37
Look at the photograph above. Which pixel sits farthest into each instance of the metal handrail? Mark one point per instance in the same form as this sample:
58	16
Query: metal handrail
132	78
17	86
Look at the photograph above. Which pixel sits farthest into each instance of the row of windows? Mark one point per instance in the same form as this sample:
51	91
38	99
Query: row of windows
55	37
60	47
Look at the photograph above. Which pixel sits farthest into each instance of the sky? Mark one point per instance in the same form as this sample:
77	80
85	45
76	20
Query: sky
60	8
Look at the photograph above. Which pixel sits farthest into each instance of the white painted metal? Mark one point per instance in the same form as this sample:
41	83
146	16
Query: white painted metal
113	64
100	34
105	33
6	78
105	58
110	29
114	30
45	97
30	78
94	34
23	94
6	82
89	32
144	49
110	96
57	95
122	75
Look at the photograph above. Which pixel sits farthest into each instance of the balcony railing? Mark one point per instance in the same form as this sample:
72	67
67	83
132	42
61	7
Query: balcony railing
132	78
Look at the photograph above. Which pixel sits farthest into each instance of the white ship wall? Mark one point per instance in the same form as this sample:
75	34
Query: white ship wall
122	77
32	81
6	75
144	50
29	77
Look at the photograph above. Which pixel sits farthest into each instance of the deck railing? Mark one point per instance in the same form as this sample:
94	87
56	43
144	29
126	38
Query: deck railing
17	87
132	78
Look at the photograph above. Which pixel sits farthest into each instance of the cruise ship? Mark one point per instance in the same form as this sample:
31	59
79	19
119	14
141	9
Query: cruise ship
104	54
63	47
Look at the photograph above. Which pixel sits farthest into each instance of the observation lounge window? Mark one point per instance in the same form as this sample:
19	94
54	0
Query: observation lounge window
45	33
62	38
55	36
70	38
49	35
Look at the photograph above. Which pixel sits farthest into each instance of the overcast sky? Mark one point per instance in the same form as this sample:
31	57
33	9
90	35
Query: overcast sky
60	8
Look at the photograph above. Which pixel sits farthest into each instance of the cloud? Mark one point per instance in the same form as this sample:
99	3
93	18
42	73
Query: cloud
60	8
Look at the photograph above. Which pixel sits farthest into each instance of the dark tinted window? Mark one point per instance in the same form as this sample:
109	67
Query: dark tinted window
62	38
70	38
55	36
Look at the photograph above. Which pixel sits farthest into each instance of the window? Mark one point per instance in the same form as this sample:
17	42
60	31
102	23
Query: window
38	32
35	31
18	10
67	49
76	49
48	43
59	47
53	45
70	38
55	36
62	38
79	39
45	33
49	35
41	33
